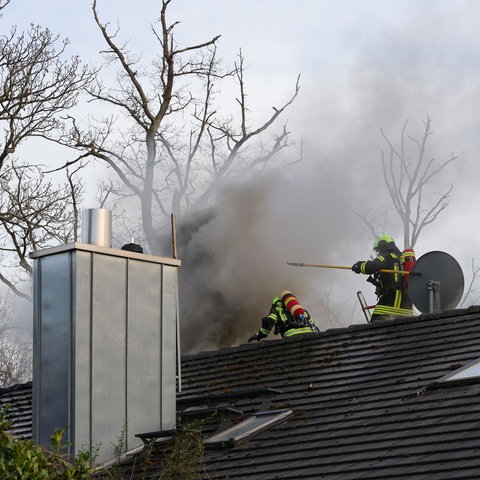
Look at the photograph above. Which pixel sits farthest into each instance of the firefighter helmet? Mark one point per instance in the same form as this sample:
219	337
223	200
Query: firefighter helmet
382	241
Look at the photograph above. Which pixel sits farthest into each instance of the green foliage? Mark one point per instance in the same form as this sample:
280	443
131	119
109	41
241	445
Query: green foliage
23	460
186	456
182	459
115	472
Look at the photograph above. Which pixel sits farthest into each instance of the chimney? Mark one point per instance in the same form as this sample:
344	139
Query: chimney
105	342
97	227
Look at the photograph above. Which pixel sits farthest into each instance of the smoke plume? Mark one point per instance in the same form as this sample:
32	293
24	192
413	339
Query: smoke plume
234	252
234	255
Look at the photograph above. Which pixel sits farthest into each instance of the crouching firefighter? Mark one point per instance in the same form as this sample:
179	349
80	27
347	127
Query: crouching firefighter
287	316
393	297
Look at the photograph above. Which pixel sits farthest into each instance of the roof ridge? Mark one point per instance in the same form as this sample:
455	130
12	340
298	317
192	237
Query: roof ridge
424	317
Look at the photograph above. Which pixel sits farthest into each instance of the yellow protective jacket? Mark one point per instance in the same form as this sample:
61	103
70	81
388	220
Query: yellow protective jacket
284	322
392	299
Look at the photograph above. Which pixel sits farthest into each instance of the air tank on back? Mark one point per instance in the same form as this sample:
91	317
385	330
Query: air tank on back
292	304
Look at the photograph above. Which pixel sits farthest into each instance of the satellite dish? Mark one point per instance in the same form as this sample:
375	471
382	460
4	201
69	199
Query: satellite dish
436	282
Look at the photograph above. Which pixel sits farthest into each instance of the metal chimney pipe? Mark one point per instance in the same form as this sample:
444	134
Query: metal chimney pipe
97	227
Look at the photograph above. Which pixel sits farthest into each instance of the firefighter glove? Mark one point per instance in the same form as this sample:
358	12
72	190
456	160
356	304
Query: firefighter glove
258	336
356	267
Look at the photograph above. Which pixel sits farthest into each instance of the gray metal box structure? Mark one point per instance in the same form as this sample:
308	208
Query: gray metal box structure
105	345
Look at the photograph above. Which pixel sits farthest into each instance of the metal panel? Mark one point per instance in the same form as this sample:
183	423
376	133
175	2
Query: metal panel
168	339
82	370
104	346
109	313
52	348
144	361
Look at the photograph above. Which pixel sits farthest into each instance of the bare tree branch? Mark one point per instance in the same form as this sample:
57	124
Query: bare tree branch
15	351
169	147
34	213
36	86
407	176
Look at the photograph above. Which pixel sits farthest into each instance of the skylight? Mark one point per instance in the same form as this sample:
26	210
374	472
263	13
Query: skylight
251	425
469	372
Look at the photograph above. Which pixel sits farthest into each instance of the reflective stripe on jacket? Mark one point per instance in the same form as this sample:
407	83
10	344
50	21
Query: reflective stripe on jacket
297	331
283	321
393	303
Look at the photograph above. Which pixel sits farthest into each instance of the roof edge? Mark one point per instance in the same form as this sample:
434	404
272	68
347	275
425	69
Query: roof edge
424	317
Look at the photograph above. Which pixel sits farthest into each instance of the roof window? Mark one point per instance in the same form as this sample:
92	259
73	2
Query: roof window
467	374
252	425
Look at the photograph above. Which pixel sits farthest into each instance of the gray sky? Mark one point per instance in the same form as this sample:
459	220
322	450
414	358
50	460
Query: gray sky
364	64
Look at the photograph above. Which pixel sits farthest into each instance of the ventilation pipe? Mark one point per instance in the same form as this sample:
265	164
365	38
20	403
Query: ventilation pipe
97	227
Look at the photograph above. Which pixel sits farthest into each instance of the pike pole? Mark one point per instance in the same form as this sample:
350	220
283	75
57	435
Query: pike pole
342	267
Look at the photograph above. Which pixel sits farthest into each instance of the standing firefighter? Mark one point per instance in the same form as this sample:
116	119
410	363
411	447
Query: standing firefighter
287	316
393	297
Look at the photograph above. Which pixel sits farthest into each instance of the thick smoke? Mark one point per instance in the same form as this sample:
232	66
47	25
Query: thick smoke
234	252
234	255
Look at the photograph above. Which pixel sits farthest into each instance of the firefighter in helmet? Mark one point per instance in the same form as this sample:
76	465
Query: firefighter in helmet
287	316
393	298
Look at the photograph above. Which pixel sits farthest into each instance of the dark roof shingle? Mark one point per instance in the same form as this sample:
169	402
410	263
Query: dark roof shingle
360	402
18	398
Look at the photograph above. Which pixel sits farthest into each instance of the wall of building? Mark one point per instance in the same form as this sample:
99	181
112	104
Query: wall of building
105	345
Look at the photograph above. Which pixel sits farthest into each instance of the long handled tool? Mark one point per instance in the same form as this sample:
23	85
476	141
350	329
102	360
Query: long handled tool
343	267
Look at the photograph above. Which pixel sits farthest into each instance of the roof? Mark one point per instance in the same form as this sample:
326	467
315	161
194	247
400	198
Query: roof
364	403
18	398
360	400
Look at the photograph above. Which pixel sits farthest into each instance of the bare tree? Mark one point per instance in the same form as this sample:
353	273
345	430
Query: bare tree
37	86
34	214
15	351
174	147
406	177
407	173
